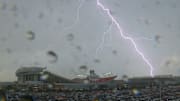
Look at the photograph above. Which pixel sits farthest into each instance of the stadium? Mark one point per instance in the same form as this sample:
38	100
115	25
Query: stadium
40	75
38	82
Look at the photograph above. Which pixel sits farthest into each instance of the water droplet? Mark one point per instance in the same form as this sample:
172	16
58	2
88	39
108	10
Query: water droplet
79	48
53	56
169	25
167	63
3	39
143	6
84	67
117	4
157	2
59	20
147	21
3	6
125	78
173	5
70	37
30	35
36	63
41	15
8	50
140	19
16	25
114	52
14	8
157	38
97	61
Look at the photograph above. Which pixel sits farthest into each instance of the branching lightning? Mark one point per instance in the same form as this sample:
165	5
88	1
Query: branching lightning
77	15
107	11
100	47
141	37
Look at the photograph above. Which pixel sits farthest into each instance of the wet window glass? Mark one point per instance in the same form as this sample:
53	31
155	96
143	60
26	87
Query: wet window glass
89	50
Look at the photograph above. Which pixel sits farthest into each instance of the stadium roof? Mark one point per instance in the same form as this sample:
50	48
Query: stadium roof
29	70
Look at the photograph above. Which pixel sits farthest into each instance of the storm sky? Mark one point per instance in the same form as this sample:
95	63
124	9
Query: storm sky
63	35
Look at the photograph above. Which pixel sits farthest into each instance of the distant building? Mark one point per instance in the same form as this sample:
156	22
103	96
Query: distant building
25	74
94	78
38	75
150	81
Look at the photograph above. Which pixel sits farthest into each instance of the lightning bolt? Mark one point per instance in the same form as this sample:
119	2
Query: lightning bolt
77	16
107	11
141	37
100	47
144	38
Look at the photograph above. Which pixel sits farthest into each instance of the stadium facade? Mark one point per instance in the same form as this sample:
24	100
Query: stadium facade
39	75
34	76
142	82
29	74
